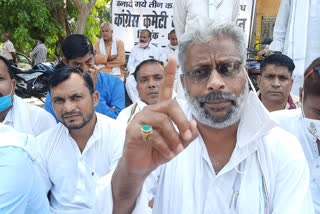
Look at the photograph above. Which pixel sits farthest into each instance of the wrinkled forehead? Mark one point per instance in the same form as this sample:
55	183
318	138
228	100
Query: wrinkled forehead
217	49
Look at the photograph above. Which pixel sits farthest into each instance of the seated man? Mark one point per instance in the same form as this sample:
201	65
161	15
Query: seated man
83	147
15	112
142	51
305	125
78	51
149	76
275	83
110	52
171	49
20	188
233	158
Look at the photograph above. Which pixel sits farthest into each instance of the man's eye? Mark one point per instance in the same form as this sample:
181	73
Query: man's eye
228	67
283	78
200	72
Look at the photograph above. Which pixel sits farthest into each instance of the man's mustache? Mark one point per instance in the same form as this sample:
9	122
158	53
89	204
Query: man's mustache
215	96
73	113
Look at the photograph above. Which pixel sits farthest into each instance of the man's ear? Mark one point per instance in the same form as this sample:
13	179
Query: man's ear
95	97
300	94
64	60
13	81
182	80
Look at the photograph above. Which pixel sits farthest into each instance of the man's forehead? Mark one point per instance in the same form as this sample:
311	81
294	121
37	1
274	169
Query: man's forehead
220	48
3	69
151	69
276	70
83	58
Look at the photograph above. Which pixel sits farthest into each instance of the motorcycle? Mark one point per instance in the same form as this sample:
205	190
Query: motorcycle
253	64
33	82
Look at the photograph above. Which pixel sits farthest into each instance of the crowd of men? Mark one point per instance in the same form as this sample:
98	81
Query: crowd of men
217	148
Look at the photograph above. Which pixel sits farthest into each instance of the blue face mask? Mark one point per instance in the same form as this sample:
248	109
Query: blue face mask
5	102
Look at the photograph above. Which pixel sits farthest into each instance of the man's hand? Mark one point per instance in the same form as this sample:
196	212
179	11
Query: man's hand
141	157
113	57
94	71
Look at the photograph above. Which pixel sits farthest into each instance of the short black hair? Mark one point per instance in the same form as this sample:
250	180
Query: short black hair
171	32
41	39
76	45
146	30
311	84
151	61
62	74
10	71
278	60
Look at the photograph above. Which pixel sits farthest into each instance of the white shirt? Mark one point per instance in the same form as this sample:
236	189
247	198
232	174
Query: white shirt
138	55
7	48
188	184
291	121
297	35
128	113
71	175
29	119
188	13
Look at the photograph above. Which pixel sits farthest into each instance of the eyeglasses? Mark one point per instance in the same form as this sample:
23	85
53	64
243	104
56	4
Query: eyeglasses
317	69
202	74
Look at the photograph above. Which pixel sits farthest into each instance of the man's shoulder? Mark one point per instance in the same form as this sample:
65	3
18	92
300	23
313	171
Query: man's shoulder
110	78
108	126
125	113
281	145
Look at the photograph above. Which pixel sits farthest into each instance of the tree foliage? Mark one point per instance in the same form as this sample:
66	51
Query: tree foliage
26	20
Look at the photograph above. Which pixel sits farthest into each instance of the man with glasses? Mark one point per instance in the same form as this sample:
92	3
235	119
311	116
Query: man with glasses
226	155
78	52
304	123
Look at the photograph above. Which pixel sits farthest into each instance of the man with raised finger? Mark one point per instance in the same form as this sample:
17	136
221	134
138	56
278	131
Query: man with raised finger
226	154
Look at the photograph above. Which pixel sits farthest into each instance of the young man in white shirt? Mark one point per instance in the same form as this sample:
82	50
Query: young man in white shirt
15	112
225	156
83	147
304	123
142	51
149	76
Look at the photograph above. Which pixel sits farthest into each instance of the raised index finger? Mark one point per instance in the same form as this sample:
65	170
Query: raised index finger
166	87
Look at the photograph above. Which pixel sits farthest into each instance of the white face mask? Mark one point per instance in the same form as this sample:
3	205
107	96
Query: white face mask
143	45
312	125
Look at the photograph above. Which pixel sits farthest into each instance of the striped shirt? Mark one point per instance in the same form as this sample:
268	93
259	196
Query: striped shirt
39	54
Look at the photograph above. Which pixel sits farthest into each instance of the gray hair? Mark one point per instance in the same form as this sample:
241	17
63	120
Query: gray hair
206	32
108	24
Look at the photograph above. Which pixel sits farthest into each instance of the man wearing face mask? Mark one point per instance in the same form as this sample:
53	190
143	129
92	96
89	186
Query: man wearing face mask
15	112
304	123
142	51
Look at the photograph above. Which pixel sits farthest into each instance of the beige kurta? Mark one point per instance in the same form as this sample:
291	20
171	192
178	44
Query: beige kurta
103	59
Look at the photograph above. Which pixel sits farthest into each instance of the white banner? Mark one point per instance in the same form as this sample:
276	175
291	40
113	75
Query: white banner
246	17
129	17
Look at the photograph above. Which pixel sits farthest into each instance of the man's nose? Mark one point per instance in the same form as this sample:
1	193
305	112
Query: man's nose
215	81
69	106
276	82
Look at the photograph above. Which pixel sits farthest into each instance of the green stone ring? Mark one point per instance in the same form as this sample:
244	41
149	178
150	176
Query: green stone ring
146	130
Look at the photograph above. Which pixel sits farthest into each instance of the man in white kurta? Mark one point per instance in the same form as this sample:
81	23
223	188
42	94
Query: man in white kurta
266	171
297	35
142	51
81	149
304	124
17	113
188	13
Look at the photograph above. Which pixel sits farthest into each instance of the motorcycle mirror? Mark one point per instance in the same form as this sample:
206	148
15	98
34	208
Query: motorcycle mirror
266	41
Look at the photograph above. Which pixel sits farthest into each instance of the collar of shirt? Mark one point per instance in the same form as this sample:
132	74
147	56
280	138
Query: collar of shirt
8	120
92	140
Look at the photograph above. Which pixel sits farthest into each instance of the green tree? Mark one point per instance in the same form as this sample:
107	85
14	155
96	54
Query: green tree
26	20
